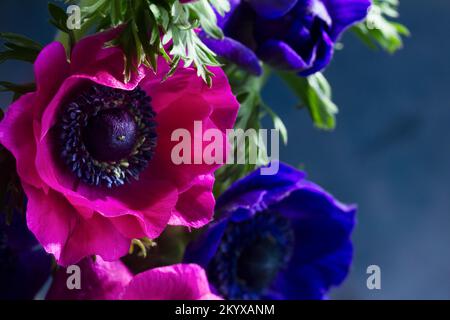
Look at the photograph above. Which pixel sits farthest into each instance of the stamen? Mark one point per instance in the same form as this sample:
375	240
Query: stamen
107	136
251	255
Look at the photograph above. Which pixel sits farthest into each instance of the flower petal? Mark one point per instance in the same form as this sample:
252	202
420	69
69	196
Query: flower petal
281	56
323	54
25	265
323	250
203	249
345	13
94	236
267	188
100	280
50	217
195	207
177	282
16	134
105	65
49	76
180	102
272	9
66	234
235	52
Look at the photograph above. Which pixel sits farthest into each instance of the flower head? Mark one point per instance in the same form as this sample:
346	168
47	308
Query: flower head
279	237
101	280
177	282
24	265
94	153
292	35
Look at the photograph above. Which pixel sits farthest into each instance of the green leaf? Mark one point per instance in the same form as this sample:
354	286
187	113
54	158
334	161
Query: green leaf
207	18
17	89
278	124
146	20
378	31
58	17
315	94
222	7
18	47
20	41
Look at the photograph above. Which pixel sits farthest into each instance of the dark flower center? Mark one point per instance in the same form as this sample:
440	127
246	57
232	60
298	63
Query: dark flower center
111	135
259	263
251	255
107	136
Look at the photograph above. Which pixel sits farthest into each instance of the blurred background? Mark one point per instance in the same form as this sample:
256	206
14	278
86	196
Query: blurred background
388	154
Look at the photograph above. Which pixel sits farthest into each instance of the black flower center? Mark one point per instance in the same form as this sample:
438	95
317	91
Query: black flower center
259	263
251	255
107	136
111	135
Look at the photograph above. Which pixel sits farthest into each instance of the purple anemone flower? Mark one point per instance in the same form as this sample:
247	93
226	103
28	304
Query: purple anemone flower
24	265
277	237
291	35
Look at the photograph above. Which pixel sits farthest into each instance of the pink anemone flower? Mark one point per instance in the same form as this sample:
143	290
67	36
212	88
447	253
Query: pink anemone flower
101	280
94	153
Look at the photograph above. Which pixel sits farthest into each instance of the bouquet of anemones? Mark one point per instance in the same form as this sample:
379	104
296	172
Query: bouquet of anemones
138	164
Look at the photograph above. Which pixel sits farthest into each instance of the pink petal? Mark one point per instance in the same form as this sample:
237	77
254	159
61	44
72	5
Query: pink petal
100	280
50	68
195	206
16	134
50	217
94	236
177	282
149	201
105	65
63	232
178	102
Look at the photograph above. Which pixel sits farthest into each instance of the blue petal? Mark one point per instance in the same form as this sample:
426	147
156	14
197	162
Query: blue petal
235	52
205	247
344	13
323	54
25	263
323	250
223	20
281	56
270	187
272	9
312	281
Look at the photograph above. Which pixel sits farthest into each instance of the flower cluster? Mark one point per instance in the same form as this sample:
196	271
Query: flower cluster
93	142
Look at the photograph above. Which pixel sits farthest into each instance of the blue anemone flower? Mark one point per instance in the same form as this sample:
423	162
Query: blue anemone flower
292	35
24	265
277	237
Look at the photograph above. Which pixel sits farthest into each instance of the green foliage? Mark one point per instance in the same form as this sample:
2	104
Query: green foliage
58	18
154	26
17	89
247	89
18	47
378	30
314	93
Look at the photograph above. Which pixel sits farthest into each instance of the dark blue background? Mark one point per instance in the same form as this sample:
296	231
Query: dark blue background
389	153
